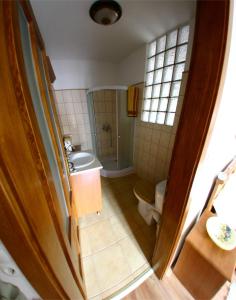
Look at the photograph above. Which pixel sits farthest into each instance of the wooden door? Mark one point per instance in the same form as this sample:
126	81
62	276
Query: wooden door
38	224
199	106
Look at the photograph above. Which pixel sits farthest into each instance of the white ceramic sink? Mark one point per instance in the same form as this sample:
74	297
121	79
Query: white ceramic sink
82	159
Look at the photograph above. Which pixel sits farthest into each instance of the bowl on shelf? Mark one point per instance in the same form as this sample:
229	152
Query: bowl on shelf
221	233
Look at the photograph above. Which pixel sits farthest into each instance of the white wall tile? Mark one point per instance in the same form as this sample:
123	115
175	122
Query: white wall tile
83	95
75	95
165	139
69	108
59	96
67	96
77	108
84	108
153	144
73	115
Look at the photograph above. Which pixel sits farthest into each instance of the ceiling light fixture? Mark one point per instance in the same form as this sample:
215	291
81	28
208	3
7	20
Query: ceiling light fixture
105	12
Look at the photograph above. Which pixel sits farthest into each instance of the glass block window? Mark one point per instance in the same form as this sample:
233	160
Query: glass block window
165	64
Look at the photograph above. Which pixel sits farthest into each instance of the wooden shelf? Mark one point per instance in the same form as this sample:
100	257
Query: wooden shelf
203	267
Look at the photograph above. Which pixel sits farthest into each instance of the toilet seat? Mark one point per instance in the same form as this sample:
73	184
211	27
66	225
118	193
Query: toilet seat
145	191
159	195
150	198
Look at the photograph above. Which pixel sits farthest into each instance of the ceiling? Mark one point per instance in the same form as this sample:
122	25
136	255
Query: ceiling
69	33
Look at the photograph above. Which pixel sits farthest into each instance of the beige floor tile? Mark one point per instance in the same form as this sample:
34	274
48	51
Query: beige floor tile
110	207
91	219
117	244
111	266
100	235
85	242
107	193
118	218
140	271
99	297
107	189
134	214
146	245
135	256
149	231
117	288
91	280
148	252
122	229
125	205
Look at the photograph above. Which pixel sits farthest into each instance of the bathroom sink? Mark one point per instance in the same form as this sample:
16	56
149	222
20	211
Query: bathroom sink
82	159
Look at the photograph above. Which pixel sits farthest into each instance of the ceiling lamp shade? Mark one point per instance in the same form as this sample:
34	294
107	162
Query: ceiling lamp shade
105	12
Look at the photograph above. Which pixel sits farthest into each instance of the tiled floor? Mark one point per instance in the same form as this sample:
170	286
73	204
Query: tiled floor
116	246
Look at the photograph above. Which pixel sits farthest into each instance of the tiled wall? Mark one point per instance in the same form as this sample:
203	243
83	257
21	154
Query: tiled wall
73	116
153	143
105	114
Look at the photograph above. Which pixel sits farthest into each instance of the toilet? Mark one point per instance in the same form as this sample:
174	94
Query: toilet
150	199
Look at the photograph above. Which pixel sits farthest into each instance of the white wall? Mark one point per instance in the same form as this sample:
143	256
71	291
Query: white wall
83	74
131	69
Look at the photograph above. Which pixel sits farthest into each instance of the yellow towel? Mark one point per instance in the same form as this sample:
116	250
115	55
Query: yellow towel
133	93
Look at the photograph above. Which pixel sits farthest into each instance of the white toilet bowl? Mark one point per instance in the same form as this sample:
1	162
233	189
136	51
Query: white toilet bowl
150	200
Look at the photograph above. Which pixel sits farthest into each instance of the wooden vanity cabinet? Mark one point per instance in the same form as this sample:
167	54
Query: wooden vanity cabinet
86	192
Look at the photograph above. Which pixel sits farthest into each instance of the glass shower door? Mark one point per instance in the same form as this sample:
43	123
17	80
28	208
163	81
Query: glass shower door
91	113
103	119
125	130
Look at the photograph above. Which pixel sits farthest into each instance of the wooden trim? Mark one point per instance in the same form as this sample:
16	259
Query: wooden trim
230	169
52	99
62	235
28	114
46	110
80	260
199	102
29	13
51	73
16	62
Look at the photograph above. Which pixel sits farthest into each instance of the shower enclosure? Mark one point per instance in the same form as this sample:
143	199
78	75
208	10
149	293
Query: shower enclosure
112	129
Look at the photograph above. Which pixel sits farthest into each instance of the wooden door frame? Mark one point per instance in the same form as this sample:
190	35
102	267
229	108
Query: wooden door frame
205	71
200	98
42	239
